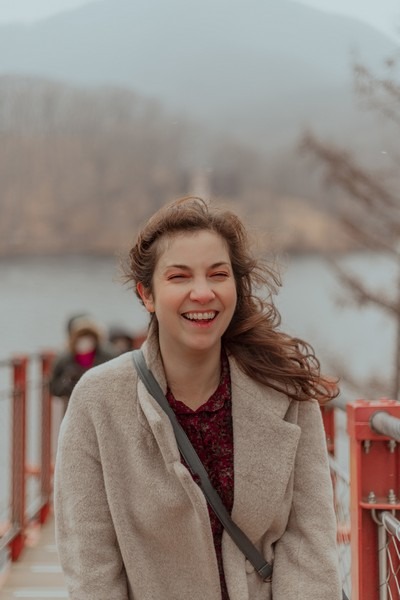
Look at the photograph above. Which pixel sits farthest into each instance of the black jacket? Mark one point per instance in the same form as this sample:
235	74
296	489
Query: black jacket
67	371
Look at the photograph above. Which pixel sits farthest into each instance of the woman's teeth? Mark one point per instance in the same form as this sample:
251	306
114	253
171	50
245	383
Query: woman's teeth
200	316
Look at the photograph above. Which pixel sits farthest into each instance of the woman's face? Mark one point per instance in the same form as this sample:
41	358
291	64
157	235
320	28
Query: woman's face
193	292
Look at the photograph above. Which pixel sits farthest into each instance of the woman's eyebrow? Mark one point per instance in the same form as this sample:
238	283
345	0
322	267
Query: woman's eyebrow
223	263
187	268
174	266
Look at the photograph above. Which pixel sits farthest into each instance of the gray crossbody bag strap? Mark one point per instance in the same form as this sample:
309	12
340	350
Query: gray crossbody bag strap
263	568
186	449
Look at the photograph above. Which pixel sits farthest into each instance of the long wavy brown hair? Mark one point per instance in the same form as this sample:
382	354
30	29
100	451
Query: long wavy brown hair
253	337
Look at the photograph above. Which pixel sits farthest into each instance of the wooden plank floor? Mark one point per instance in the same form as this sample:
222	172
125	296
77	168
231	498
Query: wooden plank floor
37	574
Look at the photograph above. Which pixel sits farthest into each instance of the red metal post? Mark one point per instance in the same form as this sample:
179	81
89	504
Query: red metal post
18	452
46	467
374	475
328	418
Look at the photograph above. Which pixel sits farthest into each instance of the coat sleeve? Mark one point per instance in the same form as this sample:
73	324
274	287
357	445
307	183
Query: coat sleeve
86	540
306	558
56	383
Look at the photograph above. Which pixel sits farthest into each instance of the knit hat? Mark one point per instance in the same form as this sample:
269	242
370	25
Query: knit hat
84	326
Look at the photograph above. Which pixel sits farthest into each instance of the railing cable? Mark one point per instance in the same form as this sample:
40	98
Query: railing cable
391	524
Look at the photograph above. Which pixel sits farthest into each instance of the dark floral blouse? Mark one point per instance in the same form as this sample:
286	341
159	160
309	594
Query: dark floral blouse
209	428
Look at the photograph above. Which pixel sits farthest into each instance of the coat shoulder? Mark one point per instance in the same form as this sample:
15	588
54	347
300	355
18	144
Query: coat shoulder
113	381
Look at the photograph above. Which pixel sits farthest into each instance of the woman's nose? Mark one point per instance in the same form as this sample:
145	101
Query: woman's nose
202	292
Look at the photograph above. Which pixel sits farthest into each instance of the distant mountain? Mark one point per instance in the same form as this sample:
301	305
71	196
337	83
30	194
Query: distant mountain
262	69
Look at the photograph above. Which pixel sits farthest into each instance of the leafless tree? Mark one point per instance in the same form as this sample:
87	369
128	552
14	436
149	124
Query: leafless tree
368	208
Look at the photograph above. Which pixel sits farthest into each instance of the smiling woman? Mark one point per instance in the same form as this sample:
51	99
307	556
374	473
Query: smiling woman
132	521
193	302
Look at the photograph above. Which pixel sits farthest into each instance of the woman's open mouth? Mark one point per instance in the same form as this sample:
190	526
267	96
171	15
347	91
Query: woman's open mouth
200	317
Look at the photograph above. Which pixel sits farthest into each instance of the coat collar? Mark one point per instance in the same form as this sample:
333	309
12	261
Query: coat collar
264	443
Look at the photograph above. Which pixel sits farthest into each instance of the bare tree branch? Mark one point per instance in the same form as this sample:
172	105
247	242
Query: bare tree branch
378	94
361	294
343	171
368	237
370	388
371	216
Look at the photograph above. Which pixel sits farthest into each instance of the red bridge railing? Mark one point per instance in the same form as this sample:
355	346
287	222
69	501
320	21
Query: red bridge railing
25	450
367	495
375	476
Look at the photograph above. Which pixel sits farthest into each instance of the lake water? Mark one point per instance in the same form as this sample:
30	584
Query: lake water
37	295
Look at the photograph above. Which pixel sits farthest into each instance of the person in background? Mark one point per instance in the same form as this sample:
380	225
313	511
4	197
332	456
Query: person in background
85	349
120	338
131	520
124	340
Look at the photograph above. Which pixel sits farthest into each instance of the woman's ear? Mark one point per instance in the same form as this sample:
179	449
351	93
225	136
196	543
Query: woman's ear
146	296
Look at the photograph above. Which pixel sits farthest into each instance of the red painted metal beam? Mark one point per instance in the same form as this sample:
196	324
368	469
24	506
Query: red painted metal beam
46	467
18	453
375	483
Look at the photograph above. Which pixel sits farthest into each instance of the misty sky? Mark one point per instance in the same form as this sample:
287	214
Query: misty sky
383	14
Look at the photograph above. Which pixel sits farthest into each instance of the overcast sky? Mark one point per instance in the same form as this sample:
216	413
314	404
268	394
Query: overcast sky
383	14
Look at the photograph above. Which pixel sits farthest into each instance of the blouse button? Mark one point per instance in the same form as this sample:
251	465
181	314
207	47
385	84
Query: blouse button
249	567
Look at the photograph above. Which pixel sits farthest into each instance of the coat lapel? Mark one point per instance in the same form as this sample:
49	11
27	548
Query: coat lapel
155	417
264	452
264	443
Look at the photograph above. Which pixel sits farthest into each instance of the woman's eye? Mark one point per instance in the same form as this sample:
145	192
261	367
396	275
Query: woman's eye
220	275
176	277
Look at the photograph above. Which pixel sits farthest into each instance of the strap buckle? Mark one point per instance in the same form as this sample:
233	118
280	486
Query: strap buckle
265	572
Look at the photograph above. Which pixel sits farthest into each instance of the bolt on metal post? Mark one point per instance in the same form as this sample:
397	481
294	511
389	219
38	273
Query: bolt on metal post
367	446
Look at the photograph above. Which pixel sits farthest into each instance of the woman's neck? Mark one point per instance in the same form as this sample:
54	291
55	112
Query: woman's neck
193	378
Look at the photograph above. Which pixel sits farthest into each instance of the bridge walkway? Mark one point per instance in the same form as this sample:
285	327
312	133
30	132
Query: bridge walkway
38	573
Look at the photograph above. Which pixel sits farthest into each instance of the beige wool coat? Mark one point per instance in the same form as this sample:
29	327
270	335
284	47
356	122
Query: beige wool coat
131	524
